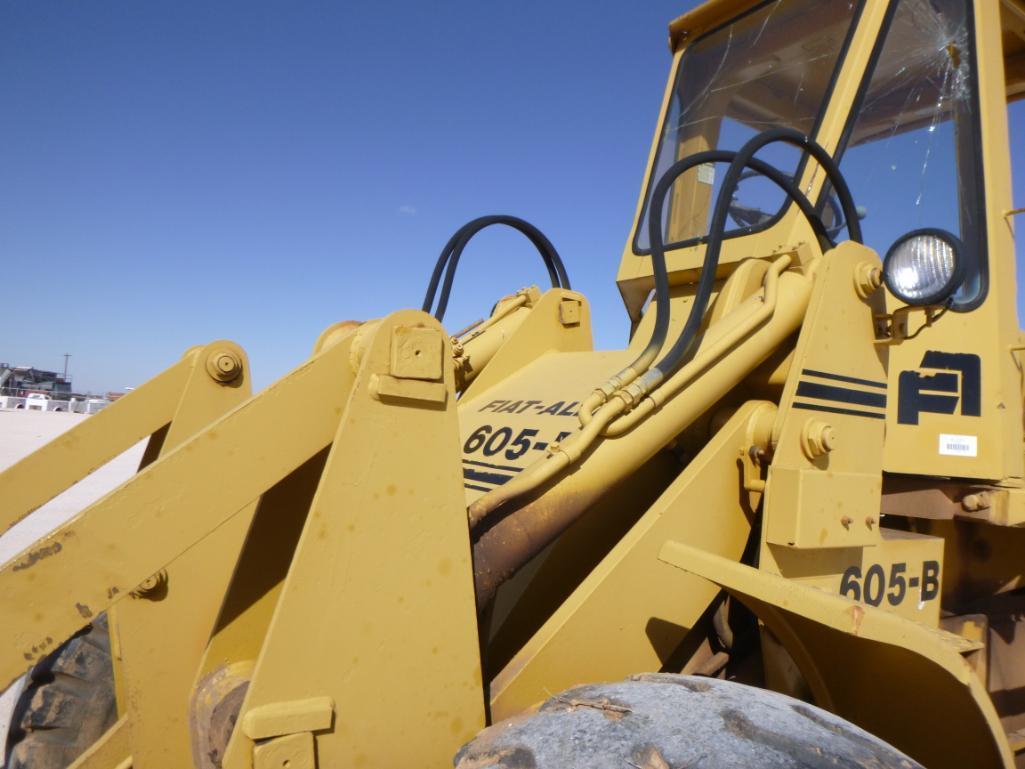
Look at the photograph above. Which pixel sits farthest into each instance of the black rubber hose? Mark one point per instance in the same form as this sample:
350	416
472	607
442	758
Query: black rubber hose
658	259
453	250
556	270
684	342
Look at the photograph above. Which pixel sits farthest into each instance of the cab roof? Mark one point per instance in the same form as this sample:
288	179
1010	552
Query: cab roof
713	13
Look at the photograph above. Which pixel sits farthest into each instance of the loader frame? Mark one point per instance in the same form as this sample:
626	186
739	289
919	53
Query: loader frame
291	579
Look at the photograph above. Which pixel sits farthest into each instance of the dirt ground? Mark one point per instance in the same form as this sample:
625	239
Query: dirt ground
22	432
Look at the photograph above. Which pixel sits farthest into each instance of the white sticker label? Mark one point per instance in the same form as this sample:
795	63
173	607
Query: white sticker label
959	445
706	173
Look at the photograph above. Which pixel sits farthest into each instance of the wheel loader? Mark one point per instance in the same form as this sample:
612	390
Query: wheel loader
784	527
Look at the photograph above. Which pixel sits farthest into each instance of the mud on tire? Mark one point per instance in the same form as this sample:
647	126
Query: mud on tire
663	721
67	704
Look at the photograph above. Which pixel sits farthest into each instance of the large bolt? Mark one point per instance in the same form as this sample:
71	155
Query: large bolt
817	438
972	503
153	588
867	278
224	366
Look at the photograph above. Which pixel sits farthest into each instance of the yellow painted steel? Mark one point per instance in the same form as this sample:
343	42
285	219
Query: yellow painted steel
111	547
830	498
208	381
162	633
921	672
989	331
45	473
387	528
249	600
630	614
540	332
412	532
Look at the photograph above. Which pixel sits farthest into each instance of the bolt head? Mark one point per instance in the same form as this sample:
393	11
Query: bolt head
974	502
224	366
828	438
817	438
868	277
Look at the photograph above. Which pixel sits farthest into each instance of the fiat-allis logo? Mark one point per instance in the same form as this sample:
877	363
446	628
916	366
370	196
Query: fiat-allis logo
945	382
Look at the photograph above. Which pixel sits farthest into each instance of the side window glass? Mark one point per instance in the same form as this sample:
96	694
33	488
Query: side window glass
913	154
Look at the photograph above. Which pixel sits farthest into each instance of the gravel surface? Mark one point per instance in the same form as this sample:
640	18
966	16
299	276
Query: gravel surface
21	433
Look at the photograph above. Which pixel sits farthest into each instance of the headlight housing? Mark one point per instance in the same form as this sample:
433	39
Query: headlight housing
924	267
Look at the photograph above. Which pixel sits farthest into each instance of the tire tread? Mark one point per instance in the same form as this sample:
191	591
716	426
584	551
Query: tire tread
67	704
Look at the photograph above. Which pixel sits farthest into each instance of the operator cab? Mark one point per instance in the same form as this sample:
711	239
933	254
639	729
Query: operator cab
773	66
908	100
890	89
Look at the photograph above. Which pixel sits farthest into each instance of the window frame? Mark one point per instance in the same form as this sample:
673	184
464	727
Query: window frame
980	264
827	98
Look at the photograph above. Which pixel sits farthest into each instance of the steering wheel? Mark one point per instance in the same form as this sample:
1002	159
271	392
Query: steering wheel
752	216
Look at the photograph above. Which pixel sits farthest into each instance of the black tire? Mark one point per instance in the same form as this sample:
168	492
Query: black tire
663	721
67	704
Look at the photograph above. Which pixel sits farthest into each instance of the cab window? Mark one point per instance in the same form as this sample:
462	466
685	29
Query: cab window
773	66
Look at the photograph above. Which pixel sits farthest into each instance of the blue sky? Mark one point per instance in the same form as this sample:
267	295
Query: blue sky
179	172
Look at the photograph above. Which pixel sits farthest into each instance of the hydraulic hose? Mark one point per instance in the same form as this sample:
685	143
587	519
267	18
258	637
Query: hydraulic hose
624	398
613	420
503	543
658	261
676	354
765	306
448	261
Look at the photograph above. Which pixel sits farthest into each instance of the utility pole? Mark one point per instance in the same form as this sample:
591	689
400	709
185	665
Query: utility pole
66	356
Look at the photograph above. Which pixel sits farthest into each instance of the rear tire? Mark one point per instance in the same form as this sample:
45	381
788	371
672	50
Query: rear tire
664	721
67	704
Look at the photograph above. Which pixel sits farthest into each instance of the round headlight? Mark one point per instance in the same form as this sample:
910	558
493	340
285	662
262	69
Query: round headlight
924	267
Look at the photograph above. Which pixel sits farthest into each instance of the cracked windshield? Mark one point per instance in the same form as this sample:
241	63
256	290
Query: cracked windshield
911	158
773	66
